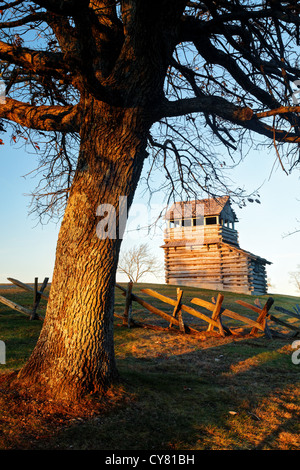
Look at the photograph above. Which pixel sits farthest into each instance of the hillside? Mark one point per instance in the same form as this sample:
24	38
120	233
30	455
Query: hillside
176	392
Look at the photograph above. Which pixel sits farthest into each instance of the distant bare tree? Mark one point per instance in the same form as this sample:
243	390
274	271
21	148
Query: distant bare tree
295	278
270	283
138	261
296	229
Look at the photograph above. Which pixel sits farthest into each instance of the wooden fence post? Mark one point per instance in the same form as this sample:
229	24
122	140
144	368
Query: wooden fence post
36	299
216	315
128	305
177	311
37	296
262	318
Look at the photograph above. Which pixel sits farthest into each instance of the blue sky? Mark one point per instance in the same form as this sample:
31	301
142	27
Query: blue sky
27	250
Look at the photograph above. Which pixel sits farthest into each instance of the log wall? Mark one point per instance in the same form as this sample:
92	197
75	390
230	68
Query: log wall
217	266
203	234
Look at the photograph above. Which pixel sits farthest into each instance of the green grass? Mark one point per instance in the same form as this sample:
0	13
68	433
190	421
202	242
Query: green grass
13	325
181	392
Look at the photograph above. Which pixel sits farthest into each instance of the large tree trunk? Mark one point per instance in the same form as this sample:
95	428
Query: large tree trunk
75	352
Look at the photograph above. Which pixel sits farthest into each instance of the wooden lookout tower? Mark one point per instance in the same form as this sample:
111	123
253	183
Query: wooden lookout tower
202	249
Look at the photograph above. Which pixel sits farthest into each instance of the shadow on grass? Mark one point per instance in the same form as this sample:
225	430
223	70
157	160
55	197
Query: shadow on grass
243	395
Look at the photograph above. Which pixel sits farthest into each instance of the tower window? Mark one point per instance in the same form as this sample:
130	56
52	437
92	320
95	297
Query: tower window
198	221
211	220
186	222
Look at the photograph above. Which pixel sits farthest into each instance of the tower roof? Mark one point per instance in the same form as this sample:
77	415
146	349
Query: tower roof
204	207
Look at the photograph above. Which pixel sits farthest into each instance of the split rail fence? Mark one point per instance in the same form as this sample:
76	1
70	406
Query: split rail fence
214	316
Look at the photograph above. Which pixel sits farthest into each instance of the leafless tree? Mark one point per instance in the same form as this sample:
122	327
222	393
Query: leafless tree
100	89
138	261
295	278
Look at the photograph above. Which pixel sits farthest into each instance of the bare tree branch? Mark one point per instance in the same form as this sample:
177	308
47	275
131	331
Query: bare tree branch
63	7
46	118
42	62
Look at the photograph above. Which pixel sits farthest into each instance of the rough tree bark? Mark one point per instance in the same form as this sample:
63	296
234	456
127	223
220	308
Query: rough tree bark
75	352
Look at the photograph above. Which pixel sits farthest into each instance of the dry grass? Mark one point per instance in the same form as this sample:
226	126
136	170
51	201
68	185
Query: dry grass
27	421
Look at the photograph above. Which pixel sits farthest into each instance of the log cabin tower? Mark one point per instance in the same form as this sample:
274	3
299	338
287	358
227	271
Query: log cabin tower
201	249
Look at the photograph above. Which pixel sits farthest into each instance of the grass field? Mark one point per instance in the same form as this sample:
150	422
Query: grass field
177	391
